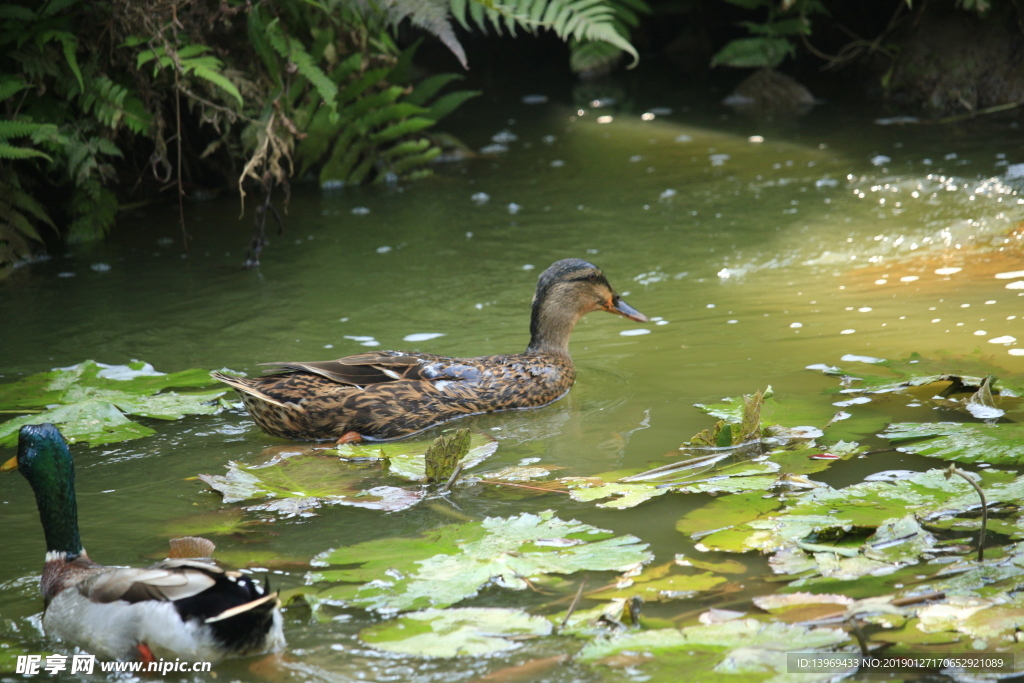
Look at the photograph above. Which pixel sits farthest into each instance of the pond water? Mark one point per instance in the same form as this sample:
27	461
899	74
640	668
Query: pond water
757	248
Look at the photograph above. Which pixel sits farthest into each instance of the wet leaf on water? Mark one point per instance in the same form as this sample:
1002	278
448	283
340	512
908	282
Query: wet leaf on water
300	484
521	472
968	376
226	522
726	511
622	495
97	422
88	401
454	562
405	459
706	652
456	632
998	444
669	581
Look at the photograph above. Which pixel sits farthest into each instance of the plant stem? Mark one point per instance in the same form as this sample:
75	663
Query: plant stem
953	469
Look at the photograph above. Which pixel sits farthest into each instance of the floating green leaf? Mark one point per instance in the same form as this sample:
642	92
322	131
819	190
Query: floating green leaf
405	459
715	652
88	400
300	484
454	562
458	632
999	444
668	581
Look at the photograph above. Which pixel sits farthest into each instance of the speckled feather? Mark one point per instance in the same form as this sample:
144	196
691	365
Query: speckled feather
392	394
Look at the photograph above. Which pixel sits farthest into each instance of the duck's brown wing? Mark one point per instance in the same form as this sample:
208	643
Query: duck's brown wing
370	368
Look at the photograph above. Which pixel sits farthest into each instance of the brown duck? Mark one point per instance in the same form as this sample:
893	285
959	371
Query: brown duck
392	394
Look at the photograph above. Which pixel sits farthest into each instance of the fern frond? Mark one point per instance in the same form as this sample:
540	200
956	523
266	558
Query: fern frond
415	160
448	103
19	128
429	87
11	86
292	50
402	128
431	16
12	152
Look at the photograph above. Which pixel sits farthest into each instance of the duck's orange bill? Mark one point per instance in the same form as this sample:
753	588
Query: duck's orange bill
10	465
622	308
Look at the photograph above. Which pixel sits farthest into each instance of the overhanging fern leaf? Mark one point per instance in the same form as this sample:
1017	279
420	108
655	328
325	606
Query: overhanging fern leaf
292	50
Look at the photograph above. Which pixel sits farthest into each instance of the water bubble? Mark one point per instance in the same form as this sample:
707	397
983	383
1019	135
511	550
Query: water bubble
1005	339
528	266
687	138
634	333
853	358
481	198
980	333
548	139
847	331
1016	352
881	282
328	346
383	250
100	267
493	149
360	211
514	208
534	99
667	194
796	325
880	160
557	163
864	309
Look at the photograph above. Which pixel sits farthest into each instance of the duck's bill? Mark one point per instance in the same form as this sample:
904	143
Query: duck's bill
622	308
10	465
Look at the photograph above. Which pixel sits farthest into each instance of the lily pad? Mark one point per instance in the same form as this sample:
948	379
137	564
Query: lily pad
457	632
665	582
998	444
454	562
300	484
89	401
965	374
715	651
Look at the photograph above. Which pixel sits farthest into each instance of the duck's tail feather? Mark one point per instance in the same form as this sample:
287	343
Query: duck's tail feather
243	385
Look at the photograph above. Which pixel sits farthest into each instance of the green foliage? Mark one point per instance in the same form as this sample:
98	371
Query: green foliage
772	40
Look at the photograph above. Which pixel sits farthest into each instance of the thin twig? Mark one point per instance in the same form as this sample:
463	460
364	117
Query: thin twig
451	480
953	469
572	605
521	486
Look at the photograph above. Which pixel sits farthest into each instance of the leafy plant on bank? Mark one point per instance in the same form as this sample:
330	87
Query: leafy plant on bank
175	98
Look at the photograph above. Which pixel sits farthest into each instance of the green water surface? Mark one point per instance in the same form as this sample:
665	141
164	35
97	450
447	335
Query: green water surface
789	251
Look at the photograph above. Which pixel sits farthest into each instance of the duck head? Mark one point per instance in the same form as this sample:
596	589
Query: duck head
566	291
44	459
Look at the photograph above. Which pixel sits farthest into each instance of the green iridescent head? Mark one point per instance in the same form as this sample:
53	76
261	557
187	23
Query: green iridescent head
44	459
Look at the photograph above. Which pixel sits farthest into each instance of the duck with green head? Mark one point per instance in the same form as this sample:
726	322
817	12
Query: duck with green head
173	609
392	394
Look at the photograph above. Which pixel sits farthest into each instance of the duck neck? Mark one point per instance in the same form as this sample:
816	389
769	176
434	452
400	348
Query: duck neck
53	480
551	323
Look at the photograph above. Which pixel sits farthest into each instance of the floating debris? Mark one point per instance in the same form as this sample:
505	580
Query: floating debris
504	137
634	333
100	267
534	99
422	336
360	211
481	198
880	160
514	208
493	149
